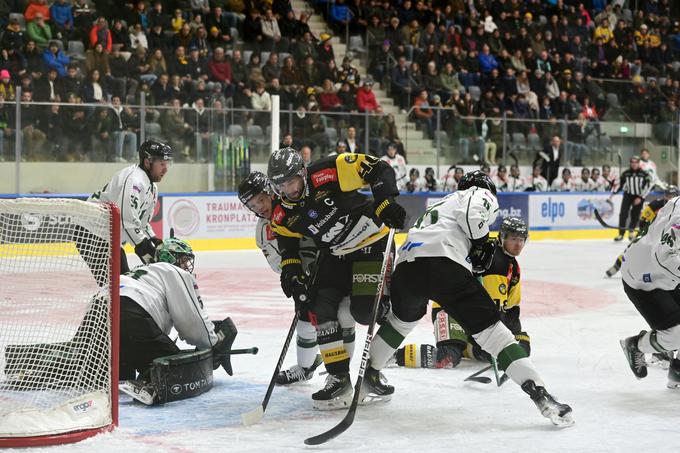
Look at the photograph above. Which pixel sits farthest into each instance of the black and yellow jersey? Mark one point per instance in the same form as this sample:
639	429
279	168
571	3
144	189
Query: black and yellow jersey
649	212
332	211
502	282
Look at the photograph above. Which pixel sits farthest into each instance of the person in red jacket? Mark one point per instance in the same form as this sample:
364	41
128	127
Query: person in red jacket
219	70
100	33
366	101
35	7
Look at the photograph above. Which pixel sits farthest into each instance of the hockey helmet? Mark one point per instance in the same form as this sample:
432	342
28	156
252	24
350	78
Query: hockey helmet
177	252
284	165
253	184
154	149
515	226
476	178
670	192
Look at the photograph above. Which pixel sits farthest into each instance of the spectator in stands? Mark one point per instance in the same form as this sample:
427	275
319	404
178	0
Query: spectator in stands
585	183
430	183
598	181
348	98
340	16
491	134
179	64
158	16
324	50
6	86
124	125
198	65
47	89
72	83
177	129
423	114
252	29
157	41
487	62
536	182
272	68
37	8
62	19
271	33
157	63
549	159
501	179
306	154
389	133
414	183
120	35
576	147
401	84
398	164
328	98
198	118
184	38
178	21
102	130
366	101
451	179
39	31
137	37
219	70
100	33
161	90
140	67
351	141
83	16
348	73
563	184
515	180
33	137
13	37
55	58
260	101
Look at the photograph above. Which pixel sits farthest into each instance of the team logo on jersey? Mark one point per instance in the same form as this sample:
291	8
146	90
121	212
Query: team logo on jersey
324	176
647	278
351	158
278	214
312	214
269	233
313	229
321	194
502	288
292	220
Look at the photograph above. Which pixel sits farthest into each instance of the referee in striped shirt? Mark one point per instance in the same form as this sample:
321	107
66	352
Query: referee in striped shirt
635	184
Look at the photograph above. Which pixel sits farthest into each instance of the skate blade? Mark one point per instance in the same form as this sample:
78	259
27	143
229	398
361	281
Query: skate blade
136	393
372	399
334	404
673	385
561	421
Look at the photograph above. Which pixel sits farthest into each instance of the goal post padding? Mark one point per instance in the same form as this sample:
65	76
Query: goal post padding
59	265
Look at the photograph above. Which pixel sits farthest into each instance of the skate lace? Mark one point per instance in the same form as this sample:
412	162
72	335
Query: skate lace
639	360
331	380
295	372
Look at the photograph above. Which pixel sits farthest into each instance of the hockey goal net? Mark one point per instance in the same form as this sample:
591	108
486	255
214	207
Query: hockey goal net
59	266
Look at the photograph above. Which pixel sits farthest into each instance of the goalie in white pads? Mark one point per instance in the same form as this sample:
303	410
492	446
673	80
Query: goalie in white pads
650	280
154	299
436	262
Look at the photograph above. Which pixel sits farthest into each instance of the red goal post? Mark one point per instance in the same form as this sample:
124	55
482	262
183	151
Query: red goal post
59	320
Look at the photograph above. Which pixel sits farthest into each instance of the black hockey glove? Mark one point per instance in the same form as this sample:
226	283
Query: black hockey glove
226	333
294	280
390	212
524	341
448	355
481	254
157	242
146	251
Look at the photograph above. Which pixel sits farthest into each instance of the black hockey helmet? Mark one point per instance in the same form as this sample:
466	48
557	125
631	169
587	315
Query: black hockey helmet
253	184
154	149
515	226
284	165
476	178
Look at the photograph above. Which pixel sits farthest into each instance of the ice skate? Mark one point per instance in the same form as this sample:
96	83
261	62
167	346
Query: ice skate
296	373
558	413
374	388
636	358
618	238
674	374
139	390
337	394
660	360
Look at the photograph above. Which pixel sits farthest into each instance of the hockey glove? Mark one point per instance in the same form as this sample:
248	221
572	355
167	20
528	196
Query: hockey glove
481	254
448	355
294	280
146	251
390	212
226	333
524	341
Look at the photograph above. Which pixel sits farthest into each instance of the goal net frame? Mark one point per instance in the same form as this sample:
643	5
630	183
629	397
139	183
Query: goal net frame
89	406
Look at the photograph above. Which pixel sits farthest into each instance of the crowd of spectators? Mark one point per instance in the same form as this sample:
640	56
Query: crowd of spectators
196	61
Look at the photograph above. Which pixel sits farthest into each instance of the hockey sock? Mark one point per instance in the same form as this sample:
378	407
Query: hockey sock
660	340
390	335
348	340
417	356
332	349
347	324
306	344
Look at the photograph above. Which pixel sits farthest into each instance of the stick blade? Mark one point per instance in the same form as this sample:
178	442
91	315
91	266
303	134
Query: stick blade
330	434
480	379
252	417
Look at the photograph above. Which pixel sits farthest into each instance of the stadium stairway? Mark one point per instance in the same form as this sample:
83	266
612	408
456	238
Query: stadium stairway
419	149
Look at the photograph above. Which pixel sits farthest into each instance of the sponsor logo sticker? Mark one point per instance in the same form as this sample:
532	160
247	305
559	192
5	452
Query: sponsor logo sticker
322	177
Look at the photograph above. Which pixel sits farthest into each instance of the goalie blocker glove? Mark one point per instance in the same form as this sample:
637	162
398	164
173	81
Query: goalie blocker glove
481	254
390	212
146	250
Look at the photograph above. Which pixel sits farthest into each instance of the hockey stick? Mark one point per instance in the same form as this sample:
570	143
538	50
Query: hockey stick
500	379
601	221
254	416
253	351
481	379
346	422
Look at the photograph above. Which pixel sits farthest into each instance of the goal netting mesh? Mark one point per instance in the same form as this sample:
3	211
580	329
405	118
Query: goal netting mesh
56	342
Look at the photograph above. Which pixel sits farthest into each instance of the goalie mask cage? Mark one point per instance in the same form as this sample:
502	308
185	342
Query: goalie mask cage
59	282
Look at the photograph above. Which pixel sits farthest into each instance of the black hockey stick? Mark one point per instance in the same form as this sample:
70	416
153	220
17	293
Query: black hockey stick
254	350
601	221
254	416
346	422
481	379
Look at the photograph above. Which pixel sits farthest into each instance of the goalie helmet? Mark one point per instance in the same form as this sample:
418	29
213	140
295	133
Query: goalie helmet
284	165
154	149
476	178
177	252
515	226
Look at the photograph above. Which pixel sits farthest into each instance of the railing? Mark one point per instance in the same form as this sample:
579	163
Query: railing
231	139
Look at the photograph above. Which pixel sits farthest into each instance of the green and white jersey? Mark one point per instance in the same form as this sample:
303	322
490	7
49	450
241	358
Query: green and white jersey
449	225
135	194
653	260
170	295
266	241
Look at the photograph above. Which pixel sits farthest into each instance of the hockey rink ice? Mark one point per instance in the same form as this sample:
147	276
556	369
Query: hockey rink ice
573	313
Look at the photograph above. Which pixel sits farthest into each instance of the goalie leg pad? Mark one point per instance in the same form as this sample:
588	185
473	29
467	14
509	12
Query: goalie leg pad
181	376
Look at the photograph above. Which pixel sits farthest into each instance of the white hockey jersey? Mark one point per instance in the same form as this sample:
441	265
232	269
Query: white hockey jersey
170	295
135	194
266	241
515	184
449	225
539	183
560	185
398	164
585	186
653	261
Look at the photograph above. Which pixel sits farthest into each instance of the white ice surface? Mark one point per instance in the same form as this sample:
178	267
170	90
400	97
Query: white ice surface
575	317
